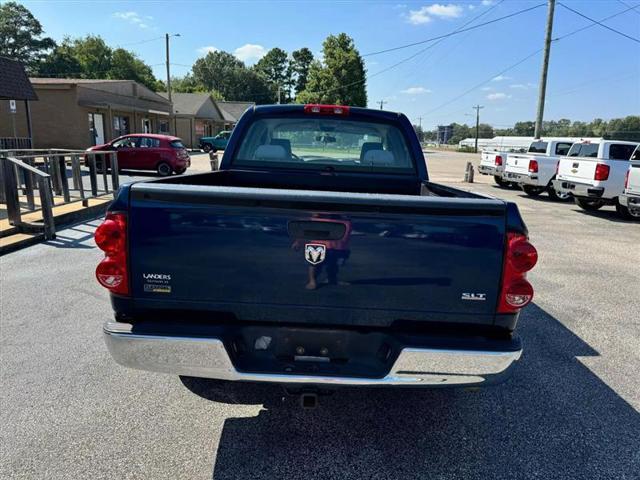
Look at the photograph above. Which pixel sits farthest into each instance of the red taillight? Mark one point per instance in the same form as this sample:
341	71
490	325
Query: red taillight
520	257
626	179
602	172
326	109
111	237
498	161
533	166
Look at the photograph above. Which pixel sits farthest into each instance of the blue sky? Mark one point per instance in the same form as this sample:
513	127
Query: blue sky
594	73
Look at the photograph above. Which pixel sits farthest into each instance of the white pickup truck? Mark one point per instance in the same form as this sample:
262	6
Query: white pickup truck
492	163
594	173
533	171
630	199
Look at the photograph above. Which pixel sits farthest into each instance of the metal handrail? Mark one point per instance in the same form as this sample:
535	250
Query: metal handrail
11	192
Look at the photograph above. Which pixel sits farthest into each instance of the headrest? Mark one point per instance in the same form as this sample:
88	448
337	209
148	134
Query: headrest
270	152
379	157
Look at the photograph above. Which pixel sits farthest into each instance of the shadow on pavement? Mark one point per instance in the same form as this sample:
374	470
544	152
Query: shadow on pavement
553	419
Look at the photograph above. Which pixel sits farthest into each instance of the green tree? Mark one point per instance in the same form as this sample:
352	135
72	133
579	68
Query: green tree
21	35
126	65
301	61
186	84
341	79
627	128
484	131
223	73
274	69
524	129
91	57
460	132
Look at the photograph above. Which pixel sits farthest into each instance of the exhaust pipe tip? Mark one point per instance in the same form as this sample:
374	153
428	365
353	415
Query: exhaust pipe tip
309	401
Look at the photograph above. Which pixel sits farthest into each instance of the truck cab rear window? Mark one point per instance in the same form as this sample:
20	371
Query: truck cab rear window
620	151
538	147
321	144
584	150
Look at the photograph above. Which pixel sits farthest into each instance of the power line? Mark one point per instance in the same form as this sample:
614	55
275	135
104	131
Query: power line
140	42
524	59
601	24
627	5
455	32
494	6
404	60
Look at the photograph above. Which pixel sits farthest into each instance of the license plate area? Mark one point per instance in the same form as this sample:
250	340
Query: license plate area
302	351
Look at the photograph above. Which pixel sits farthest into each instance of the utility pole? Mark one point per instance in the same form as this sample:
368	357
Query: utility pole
545	67
382	102
166	39
477	109
420	128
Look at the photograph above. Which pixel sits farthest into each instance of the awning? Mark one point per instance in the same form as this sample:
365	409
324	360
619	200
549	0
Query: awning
123	108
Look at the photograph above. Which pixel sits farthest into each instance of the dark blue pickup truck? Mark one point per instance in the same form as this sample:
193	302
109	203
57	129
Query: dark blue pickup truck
319	254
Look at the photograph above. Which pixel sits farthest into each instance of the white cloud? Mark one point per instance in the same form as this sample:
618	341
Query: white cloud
471	7
523	86
486	3
498	96
250	53
486	89
415	90
500	78
425	14
133	18
208	49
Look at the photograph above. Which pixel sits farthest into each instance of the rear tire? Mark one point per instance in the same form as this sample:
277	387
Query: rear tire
532	191
164	169
206	147
588	204
558	196
624	212
501	183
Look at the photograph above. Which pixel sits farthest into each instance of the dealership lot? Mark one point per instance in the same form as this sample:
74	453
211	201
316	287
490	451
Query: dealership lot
570	410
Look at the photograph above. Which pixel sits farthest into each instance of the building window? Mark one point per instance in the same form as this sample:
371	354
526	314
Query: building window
163	126
120	126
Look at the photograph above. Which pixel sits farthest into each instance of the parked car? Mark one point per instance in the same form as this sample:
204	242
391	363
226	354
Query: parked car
213	144
535	170
630	198
316	265
594	173
145	151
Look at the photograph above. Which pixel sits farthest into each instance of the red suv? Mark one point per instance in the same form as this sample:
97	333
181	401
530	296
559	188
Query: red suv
146	151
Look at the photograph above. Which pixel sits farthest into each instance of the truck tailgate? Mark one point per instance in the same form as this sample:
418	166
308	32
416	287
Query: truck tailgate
518	163
244	251
577	169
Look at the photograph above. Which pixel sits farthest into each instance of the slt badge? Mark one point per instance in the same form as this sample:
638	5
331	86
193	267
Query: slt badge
315	253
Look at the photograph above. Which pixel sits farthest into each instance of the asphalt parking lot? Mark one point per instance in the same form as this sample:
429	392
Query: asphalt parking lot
570	410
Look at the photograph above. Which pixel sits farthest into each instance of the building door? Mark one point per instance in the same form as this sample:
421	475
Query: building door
146	125
96	128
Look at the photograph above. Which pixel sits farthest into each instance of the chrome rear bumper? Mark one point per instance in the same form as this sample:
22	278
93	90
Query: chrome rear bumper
208	358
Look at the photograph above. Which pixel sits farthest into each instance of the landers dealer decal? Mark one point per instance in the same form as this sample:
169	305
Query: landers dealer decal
157	282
